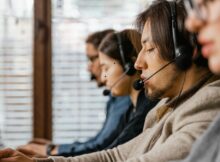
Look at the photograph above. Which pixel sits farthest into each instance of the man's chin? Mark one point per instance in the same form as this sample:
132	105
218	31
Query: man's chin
153	95
100	84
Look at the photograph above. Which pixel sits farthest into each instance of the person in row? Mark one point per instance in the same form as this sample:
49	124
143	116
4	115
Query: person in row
204	19
190	93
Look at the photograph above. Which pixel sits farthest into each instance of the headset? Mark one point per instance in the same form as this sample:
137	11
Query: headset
182	53
128	66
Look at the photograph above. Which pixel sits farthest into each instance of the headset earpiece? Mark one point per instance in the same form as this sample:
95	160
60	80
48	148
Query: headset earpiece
128	66
184	60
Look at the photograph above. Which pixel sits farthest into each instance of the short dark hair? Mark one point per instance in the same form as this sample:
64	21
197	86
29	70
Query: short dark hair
159	16
96	37
130	43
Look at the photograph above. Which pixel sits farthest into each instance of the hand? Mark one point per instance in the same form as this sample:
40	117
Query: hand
30	154
55	150
40	141
9	155
36	150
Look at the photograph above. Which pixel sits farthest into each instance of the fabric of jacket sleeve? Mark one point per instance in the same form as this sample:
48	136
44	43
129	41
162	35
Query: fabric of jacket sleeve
119	153
207	147
115	123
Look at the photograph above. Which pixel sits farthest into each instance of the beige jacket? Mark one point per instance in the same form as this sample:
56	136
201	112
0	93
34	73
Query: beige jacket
168	132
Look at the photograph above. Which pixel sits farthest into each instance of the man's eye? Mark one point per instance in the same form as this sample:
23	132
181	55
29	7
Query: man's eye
104	69
150	50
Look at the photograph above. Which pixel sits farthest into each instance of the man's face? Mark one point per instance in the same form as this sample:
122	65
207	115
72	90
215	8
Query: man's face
164	83
208	29
93	64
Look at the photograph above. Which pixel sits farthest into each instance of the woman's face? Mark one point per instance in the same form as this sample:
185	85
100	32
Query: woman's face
111	71
208	31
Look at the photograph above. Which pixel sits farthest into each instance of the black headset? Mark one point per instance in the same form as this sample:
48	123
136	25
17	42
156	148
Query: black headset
182	53
128	66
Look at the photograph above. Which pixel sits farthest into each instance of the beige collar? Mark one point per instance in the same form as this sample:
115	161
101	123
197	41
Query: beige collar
170	105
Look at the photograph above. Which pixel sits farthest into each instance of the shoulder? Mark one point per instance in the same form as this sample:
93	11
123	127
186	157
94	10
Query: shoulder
203	106
206	95
151	118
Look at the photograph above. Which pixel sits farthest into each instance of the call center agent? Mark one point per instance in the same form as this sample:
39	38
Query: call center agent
190	93
117	54
92	43
117	109
204	19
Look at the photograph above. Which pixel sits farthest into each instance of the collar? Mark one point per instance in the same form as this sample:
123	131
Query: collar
170	105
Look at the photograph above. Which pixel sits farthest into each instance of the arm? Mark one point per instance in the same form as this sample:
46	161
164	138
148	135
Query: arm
177	146
119	153
113	126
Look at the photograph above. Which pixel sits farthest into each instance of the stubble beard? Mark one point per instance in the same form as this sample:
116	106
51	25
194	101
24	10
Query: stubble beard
159	93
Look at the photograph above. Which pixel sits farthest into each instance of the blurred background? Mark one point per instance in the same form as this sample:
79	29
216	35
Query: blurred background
45	88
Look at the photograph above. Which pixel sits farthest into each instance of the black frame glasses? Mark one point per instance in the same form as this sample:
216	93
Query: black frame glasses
92	58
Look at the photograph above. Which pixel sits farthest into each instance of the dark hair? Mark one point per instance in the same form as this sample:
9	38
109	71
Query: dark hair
159	17
130	43
96	37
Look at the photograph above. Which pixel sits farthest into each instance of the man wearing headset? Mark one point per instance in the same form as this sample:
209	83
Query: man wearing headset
190	94
204	19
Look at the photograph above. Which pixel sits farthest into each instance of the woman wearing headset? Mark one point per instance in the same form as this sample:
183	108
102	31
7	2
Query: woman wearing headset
117	54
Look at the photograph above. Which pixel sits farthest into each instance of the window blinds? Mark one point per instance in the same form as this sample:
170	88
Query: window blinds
15	71
78	105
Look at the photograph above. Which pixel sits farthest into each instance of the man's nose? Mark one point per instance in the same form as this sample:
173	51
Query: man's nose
89	66
139	63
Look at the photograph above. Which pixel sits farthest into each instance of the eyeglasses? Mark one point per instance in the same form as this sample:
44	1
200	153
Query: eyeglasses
199	7
92	58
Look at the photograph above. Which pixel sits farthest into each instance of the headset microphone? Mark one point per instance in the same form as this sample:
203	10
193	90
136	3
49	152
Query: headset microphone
139	84
106	92
92	77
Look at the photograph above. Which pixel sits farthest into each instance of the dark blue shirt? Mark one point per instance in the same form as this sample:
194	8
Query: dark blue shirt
123	122
117	108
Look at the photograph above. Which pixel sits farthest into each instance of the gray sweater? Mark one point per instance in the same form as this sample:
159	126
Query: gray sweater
207	148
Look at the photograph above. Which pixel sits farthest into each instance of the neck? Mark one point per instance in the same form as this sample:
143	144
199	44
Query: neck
189	78
193	75
134	95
